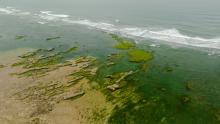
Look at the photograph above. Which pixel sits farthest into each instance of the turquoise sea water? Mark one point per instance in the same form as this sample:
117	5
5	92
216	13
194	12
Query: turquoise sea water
183	36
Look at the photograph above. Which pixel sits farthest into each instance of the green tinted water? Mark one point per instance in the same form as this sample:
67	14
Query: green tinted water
180	85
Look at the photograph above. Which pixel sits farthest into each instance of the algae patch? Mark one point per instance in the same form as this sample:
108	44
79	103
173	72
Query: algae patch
123	44
52	38
139	55
19	37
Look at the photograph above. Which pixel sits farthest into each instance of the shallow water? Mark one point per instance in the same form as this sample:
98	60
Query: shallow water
183	37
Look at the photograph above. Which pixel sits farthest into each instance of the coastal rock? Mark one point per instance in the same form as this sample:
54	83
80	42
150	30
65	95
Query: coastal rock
124	76
72	95
50	49
19	37
2	66
113	87
110	64
117	84
218	115
53	38
189	85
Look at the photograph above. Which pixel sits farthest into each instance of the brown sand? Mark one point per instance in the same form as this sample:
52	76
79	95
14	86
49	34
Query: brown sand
78	111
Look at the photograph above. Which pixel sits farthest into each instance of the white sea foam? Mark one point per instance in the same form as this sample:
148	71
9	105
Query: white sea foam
41	22
172	36
13	11
168	35
47	15
6	11
154	45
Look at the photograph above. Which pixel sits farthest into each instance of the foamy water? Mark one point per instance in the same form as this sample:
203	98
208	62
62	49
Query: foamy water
166	35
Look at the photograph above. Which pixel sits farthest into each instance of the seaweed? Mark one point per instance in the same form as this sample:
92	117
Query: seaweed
122	43
52	38
138	55
19	37
168	69
114	57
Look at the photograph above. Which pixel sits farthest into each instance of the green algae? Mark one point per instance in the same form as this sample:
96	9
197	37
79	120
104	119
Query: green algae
52	38
139	55
168	69
19	37
144	66
115	57
122	43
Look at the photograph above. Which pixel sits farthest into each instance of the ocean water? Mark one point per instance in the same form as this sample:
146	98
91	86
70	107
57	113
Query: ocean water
191	23
183	35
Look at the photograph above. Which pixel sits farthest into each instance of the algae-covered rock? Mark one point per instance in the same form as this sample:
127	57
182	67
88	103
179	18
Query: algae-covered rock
117	80
19	37
28	55
2	66
123	43
189	85
114	57
52	38
168	69
124	75
110	63
185	99
217	115
113	87
43	61
35	72
72	95
139	55
50	49
144	67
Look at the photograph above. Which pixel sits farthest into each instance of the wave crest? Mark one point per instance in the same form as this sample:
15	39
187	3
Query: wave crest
168	35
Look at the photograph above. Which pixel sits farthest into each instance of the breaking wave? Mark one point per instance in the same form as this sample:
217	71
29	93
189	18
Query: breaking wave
168	35
13	11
